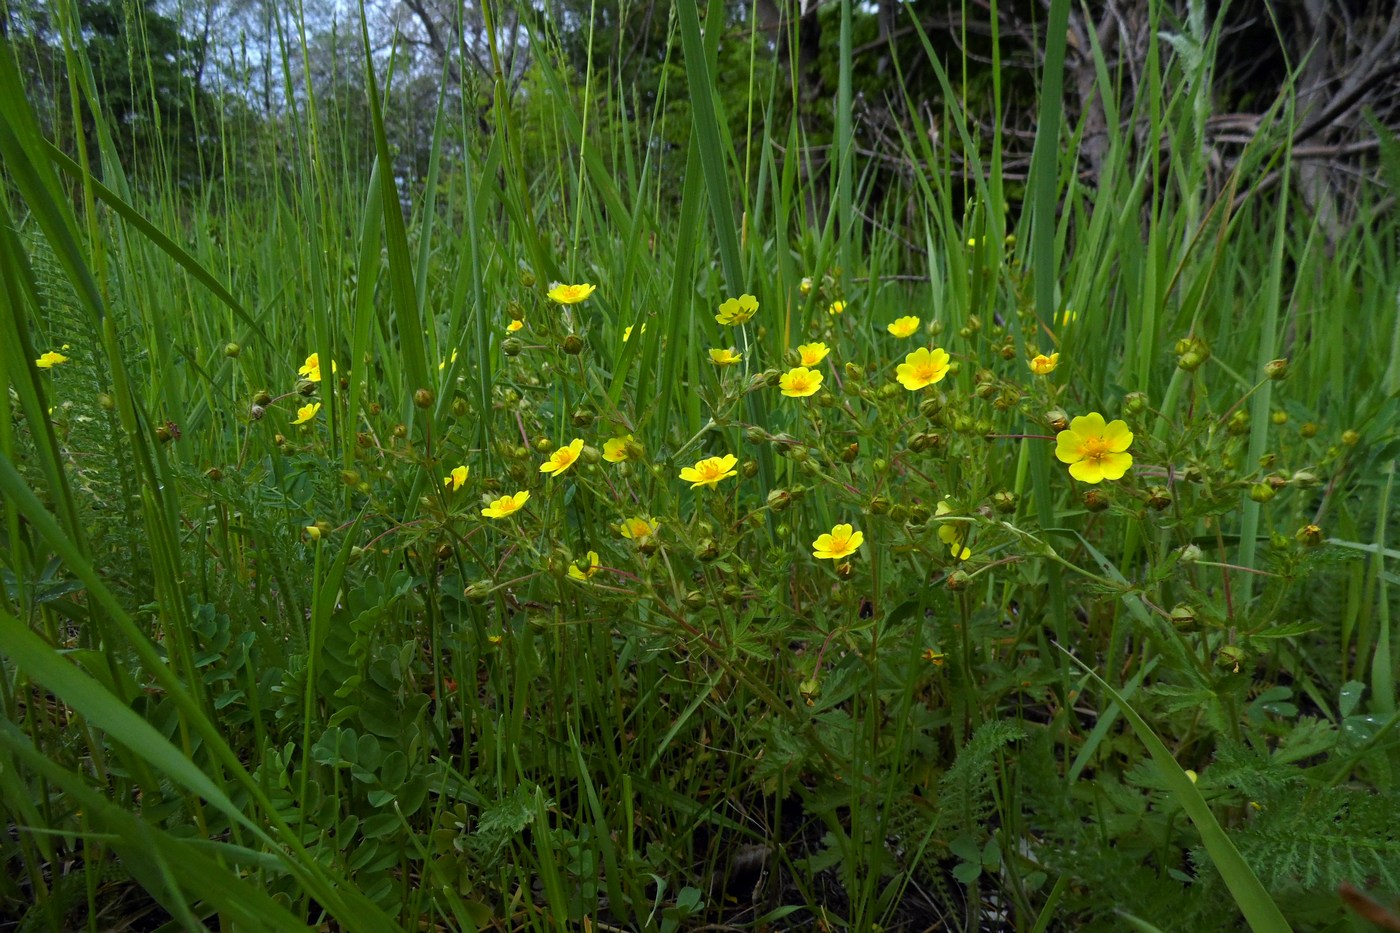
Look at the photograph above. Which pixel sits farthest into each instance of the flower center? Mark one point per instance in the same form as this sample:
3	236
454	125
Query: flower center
1094	448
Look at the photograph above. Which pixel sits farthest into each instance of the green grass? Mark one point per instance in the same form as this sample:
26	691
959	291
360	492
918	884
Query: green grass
269	675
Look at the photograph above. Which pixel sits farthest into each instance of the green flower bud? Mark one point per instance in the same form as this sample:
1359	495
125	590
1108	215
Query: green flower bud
1158	498
1004	502
1230	656
1261	492
1095	501
423	398
880	505
749	468
1238	423
958	580
695	600
779	500
1135	403
1309	536
706	550
459	408
854	373
1190	554
573	345
511	347
1308	429
1276	369
1351	438
583	418
1184	618
543	444
1057	420
849	454
232	350
1279	417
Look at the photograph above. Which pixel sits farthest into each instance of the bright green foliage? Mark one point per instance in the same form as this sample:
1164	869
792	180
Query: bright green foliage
245	656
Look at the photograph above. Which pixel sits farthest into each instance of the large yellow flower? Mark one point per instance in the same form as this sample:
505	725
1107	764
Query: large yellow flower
618	449
638	528
506	505
842	542
710	471
1095	451
800	382
737	310
579	574
455	480
922	368
570	294
904	326
952	533
1043	365
813	353
50	359
563	458
725	357
306	412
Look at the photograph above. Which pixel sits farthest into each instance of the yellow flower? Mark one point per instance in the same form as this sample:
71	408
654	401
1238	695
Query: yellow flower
952	533
835	308
842	542
506	505
922	368
456	478
313	532
615	448
737	311
443	364
812	353
805	286
710	471
800	382
725	357
1095	451
311	369
1066	317
306	412
638	528
904	327
563	458
50	359
1043	365
578	574
514	326
570	294
933	657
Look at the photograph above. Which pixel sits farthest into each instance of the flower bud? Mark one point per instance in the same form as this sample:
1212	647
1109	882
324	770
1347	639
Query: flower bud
590	455
694	600
214	474
231	350
850	453
974	323
1158	498
918	443
985	390
779	499
350	477
164	434
1184	618
583	418
1351	438
1057	420
1135	403
478	591
889	390
1276	369
1008	351
899	513
106	402
1305	479
257	412
423	398
1190	554
1308	429
931	405
1261	492
880	505
279	440
1230	656
1279	417
854	373
459	407
1238	423
1095	501
1004	502
1191	353
880	465
706	550
1309	536
797	453
749	468
919	514
514	310
511	347
305	387
958	580
1275	481
572	345
262	398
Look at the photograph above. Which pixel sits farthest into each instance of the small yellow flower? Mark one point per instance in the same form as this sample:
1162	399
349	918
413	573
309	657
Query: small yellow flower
933	657
311	369
638	528
506	505
805	286
306	412
842	542
710	471
578	574
800	382
952	533
904	327
1043	365
1192	775
514	326
442	364
563	458
50	359
456	478
1066	317
737	311
494	638
813	353
1095	451
922	368
313	532
615	448
627	332
570	294
725	357
835	308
